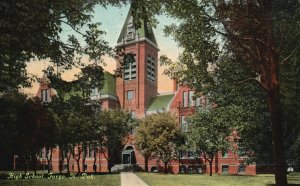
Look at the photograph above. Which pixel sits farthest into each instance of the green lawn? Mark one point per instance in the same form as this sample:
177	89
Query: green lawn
101	180
154	179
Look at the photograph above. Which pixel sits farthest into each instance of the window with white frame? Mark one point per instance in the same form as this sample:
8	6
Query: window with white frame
130	30
198	102
133	114
94	91
183	154
183	124
130	68
42	153
185	99
151	68
191	98
130	95
225	155
44	95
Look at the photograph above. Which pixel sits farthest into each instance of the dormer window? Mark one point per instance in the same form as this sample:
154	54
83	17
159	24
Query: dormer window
130	30
44	95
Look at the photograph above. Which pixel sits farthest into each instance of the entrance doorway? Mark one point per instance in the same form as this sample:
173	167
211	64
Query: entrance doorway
128	156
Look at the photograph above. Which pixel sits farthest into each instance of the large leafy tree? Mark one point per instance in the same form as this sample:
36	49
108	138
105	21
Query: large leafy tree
75	113
158	136
142	143
10	104
210	131
116	126
34	30
290	75
227	90
25	129
264	33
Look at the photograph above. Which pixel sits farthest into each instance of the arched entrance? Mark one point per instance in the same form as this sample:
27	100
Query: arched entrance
128	156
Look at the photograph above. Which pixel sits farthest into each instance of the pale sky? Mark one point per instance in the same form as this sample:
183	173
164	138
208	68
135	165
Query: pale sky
112	20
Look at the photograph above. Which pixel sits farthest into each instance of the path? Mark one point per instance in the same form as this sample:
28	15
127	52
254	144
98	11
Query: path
130	179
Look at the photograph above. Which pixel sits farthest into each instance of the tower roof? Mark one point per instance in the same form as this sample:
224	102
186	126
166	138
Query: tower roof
109	86
129	34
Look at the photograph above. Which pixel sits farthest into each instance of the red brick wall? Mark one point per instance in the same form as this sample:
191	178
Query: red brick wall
101	162
233	161
109	104
143	88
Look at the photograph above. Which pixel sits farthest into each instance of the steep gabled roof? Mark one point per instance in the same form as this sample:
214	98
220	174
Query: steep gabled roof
144	32
109	86
160	102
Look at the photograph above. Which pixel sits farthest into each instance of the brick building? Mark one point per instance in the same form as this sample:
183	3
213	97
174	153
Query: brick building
137	92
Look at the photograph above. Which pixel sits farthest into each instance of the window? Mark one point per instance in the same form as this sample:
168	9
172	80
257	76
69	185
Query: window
42	153
130	30
192	154
90	151
185	99
225	155
183	124
130	68
183	154
225	169
241	169
130	95
133	115
94	92
151	68
44	95
191	98
188	154
198	102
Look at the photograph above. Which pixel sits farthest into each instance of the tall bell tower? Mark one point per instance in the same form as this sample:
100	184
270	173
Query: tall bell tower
139	81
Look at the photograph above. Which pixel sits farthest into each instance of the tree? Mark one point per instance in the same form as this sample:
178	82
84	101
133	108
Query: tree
227	91
33	30
264	33
290	76
158	136
35	131
142	143
210	131
117	125
10	104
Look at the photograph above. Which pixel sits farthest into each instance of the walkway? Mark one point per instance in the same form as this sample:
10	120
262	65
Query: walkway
130	179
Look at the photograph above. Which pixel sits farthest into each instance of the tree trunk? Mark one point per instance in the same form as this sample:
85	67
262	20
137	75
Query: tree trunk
61	160
76	157
210	167
49	159
146	163
277	135
109	166
95	160
84	147
166	166
78	166
68	162
34	160
274	104
25	164
216	163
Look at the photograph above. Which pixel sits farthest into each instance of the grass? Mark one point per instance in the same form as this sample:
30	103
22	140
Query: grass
101	180
154	179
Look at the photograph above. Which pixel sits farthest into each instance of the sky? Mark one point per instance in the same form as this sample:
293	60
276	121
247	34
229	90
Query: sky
112	20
